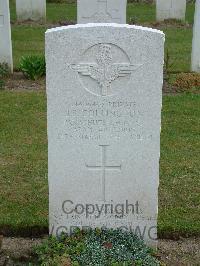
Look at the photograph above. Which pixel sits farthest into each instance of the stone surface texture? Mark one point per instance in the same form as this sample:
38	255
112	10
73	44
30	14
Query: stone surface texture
101	11
196	39
5	35
170	9
104	90
31	10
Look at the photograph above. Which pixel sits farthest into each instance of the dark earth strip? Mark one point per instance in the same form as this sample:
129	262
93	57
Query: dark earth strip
185	252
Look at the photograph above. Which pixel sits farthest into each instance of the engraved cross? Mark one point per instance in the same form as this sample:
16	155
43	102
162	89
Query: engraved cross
103	168
1	20
103	10
102	6
171	6
102	14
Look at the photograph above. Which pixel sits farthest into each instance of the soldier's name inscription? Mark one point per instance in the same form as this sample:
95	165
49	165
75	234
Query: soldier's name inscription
95	120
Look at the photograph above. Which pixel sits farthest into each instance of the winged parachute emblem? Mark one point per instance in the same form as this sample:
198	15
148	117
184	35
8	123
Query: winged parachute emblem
104	72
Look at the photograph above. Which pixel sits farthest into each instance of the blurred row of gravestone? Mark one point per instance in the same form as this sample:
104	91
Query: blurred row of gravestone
95	11
36	10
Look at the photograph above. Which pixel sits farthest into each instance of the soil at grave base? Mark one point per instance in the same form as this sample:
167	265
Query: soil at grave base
47	25
17	81
169	23
185	252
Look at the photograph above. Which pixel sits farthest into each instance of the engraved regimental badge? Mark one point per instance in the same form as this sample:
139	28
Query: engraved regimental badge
109	70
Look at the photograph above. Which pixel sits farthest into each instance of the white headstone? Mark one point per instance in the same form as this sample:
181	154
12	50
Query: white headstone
5	35
101	11
104	85
170	9
196	39
31	9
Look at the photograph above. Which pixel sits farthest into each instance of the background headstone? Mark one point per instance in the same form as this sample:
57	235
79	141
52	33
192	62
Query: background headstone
196	39
104	89
170	9
5	35
102	11
31	9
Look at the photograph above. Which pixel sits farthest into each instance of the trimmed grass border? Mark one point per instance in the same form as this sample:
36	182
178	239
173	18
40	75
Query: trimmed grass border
23	165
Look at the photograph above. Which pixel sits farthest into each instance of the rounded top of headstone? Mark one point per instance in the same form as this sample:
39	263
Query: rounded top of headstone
107	25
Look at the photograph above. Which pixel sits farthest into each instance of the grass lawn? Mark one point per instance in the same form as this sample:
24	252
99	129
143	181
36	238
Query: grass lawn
178	40
23	145
23	159
23	163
